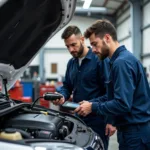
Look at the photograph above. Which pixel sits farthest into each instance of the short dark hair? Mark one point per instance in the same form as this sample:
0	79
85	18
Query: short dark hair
100	28
70	30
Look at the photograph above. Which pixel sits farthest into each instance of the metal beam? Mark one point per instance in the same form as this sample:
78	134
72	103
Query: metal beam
122	21
121	6
123	12
99	16
108	8
105	3
116	1
125	38
55	48
146	27
41	66
145	3
136	17
145	55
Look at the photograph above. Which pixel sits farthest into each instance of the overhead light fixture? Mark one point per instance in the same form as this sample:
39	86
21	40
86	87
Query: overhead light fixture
91	9
87	4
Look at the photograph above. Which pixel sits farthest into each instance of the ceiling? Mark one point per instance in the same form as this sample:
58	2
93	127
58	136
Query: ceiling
112	6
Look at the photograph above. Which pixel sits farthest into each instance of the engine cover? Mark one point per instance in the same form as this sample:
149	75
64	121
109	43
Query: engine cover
36	122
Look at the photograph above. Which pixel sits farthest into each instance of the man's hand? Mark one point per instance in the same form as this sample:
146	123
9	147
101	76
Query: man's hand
110	130
84	109
59	101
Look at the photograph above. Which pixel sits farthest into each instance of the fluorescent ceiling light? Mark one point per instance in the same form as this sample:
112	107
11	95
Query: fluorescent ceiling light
92	10
87	4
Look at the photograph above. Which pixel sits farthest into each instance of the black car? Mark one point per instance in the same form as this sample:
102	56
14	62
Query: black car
25	26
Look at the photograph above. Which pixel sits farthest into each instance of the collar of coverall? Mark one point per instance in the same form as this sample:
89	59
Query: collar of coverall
116	53
88	55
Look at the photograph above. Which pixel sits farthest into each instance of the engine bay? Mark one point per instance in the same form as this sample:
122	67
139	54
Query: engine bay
40	126
43	125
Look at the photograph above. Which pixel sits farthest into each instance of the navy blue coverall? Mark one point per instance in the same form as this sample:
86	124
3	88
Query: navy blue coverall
127	101
86	82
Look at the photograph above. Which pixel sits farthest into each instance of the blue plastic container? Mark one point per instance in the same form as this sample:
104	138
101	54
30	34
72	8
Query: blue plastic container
27	89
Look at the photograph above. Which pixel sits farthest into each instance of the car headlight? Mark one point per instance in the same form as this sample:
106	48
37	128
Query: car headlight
97	143
55	146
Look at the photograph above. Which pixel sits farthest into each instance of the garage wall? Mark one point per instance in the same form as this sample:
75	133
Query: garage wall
35	61
82	22
146	64
60	57
146	38
123	26
124	32
56	51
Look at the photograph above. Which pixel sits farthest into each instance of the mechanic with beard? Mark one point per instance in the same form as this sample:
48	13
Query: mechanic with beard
128	92
85	79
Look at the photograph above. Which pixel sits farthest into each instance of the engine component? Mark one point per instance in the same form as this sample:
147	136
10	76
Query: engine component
44	134
63	132
36	122
41	126
10	134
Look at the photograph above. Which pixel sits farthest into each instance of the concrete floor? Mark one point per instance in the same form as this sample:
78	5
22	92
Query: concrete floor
113	144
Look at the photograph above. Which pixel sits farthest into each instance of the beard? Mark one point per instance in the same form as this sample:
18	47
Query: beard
79	53
104	52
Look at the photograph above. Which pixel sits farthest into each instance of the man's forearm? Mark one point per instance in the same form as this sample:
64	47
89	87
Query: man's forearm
99	99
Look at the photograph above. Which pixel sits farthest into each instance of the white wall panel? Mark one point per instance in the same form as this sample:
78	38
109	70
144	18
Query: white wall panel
128	44
146	32
123	16
146	41
146	15
146	64
60	57
82	22
123	9
124	29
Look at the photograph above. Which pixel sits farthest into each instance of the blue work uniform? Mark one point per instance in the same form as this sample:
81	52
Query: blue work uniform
127	100
86	82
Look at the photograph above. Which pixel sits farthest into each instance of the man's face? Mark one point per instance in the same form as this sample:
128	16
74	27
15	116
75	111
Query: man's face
99	47
74	45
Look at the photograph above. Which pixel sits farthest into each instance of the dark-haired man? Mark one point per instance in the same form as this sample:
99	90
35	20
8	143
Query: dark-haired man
128	92
85	79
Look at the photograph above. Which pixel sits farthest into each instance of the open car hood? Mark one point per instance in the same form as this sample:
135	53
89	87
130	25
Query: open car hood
25	26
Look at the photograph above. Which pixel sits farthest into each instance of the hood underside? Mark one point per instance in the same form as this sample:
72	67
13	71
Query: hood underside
25	26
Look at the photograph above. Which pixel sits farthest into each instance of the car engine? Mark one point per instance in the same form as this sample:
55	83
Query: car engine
38	125
44	125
